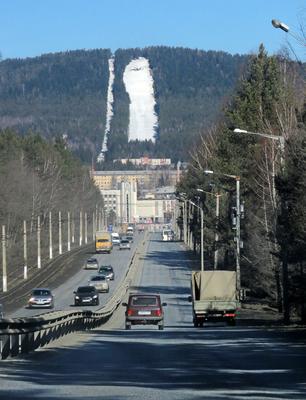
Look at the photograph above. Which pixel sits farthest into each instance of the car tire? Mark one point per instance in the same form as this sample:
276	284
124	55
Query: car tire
160	327
127	326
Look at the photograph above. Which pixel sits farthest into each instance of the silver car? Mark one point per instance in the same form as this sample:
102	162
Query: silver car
125	245
99	282
41	297
91	263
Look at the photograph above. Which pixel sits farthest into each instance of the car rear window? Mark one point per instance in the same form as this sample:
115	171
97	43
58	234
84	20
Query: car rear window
124	241
143	301
91	261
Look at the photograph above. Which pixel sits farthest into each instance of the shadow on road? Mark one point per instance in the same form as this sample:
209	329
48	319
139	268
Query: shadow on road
224	363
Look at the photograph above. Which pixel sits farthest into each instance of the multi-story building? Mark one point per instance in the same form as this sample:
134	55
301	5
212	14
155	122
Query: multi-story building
145	179
119	190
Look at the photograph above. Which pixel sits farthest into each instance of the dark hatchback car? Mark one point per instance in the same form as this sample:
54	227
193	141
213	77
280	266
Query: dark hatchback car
86	295
144	309
107	271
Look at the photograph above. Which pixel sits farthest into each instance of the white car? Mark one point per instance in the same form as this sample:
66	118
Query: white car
100	282
125	245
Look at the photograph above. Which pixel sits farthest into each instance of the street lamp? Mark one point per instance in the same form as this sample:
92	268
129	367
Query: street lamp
280	25
202	233
281	139
238	213
217	196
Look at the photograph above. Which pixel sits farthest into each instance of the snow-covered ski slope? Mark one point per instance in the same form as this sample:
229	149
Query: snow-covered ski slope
138	82
109	108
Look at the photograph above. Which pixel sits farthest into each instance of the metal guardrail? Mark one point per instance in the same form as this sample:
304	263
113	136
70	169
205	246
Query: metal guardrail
22	335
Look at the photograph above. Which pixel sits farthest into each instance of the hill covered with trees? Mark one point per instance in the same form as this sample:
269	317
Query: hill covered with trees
64	94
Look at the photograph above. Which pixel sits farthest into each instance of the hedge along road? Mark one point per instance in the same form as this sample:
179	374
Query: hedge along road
63	291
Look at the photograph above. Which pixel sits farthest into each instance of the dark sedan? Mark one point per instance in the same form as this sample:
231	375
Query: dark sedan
107	271
86	295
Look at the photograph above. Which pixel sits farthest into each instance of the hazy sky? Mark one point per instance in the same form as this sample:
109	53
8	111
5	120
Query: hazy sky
33	27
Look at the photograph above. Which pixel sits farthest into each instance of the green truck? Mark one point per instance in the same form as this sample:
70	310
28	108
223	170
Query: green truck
214	297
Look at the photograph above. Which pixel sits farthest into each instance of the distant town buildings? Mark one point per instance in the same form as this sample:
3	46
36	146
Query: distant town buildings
138	196
146	161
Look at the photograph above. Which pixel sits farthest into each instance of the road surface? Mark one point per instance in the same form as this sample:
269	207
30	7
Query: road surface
63	295
179	363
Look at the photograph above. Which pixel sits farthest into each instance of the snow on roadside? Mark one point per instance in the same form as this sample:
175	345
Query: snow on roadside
109	108
138	82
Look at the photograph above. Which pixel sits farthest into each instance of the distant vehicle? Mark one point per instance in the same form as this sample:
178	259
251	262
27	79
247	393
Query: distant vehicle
41	297
103	242
167	235
130	230
214	297
130	238
115	238
144	309
125	245
86	295
91	263
140	228
99	282
107	271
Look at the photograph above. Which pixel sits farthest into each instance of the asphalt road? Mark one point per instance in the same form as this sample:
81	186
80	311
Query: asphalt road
63	295
181	362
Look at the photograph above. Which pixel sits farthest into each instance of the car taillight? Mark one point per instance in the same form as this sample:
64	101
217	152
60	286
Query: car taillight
129	312
158	313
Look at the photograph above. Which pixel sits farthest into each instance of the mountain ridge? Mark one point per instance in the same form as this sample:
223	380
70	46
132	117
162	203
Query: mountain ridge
65	94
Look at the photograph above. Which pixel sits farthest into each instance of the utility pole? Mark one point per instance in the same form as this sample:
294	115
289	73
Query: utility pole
60	247
68	231
85	217
4	272
73	229
50	236
238	213
25	253
216	232
38	244
81	229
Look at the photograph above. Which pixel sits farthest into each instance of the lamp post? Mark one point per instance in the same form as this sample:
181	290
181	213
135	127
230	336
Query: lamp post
280	25
183	199
217	197
280	139
202	233
238	214
284	256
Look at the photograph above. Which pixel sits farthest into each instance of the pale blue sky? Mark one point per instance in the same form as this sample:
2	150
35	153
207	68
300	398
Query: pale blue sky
32	27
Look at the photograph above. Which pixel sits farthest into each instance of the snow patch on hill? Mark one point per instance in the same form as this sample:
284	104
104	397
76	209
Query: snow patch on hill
138	82
109	109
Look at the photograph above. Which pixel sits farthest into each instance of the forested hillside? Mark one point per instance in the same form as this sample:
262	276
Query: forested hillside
57	94
65	94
